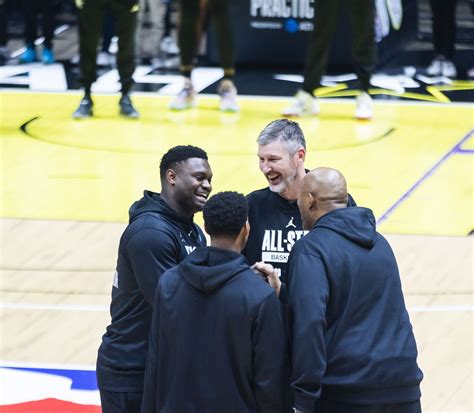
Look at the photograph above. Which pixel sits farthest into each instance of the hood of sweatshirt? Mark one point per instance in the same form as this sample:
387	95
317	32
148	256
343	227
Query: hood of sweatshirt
355	223
152	202
209	268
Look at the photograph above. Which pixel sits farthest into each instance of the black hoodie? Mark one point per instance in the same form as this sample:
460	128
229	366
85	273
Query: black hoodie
217	341
351	334
155	239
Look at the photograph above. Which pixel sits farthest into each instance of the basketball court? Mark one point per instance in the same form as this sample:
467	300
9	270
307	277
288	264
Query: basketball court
67	186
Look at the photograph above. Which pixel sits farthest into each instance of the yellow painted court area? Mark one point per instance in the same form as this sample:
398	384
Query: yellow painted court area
66	187
92	170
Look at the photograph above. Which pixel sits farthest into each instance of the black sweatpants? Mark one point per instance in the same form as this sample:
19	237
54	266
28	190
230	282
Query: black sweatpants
3	23
188	31
91	19
31	10
116	402
444	27
326	406
362	14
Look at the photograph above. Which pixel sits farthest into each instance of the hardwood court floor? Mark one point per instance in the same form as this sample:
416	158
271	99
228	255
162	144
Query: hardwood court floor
66	187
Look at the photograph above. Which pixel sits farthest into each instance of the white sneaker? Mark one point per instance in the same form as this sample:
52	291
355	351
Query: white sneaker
303	104
435	68
186	98
168	45
448	69
364	108
228	93
105	59
75	59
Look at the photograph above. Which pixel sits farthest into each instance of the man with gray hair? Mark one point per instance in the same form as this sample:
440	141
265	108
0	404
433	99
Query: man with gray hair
275	221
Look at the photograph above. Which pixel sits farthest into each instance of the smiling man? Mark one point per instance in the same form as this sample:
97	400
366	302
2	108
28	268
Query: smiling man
275	221
160	234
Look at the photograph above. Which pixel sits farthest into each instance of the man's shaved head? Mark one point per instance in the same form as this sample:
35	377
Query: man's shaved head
322	190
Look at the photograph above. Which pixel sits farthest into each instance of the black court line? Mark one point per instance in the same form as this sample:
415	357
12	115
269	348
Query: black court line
24	129
455	149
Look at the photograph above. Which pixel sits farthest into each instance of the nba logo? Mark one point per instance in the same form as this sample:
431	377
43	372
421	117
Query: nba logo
53	390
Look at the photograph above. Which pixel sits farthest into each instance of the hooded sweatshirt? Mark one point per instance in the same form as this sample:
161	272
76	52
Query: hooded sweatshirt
155	239
217	341
351	334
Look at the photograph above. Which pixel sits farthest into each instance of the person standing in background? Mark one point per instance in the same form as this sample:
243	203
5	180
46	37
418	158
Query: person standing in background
364	54
91	17
4	52
188	42
32	9
444	38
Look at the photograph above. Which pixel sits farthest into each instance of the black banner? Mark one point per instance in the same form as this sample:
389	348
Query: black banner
277	31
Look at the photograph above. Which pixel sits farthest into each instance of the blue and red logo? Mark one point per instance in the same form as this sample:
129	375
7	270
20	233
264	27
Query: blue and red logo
48	390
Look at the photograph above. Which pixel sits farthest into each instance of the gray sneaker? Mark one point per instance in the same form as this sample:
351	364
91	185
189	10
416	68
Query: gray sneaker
84	109
186	98
126	107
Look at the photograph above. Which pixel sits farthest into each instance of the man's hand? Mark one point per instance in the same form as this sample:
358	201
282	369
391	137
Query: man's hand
270	274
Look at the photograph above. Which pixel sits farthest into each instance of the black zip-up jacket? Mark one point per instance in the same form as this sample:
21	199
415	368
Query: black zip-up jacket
217	341
155	239
351	335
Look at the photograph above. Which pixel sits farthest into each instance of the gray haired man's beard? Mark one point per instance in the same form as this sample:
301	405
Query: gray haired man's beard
283	185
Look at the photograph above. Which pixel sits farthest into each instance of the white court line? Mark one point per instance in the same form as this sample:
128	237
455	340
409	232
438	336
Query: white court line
52	366
103	308
56	307
152	95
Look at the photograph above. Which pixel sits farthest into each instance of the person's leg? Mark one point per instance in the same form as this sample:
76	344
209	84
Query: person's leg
117	402
225	43
157	16
444	36
107	31
187	41
447	10
91	16
30	11
3	23
437	28
364	50
331	406
187	38
325	22
224	35
48	10
410	407
125	18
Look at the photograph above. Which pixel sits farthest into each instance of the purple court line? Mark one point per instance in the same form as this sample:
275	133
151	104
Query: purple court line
454	149
465	151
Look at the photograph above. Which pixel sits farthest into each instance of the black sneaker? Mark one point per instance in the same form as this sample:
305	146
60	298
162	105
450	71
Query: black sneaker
84	110
126	107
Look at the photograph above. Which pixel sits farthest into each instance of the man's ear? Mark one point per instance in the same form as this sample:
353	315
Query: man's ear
247	228
301	154
171	176
312	202
243	235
